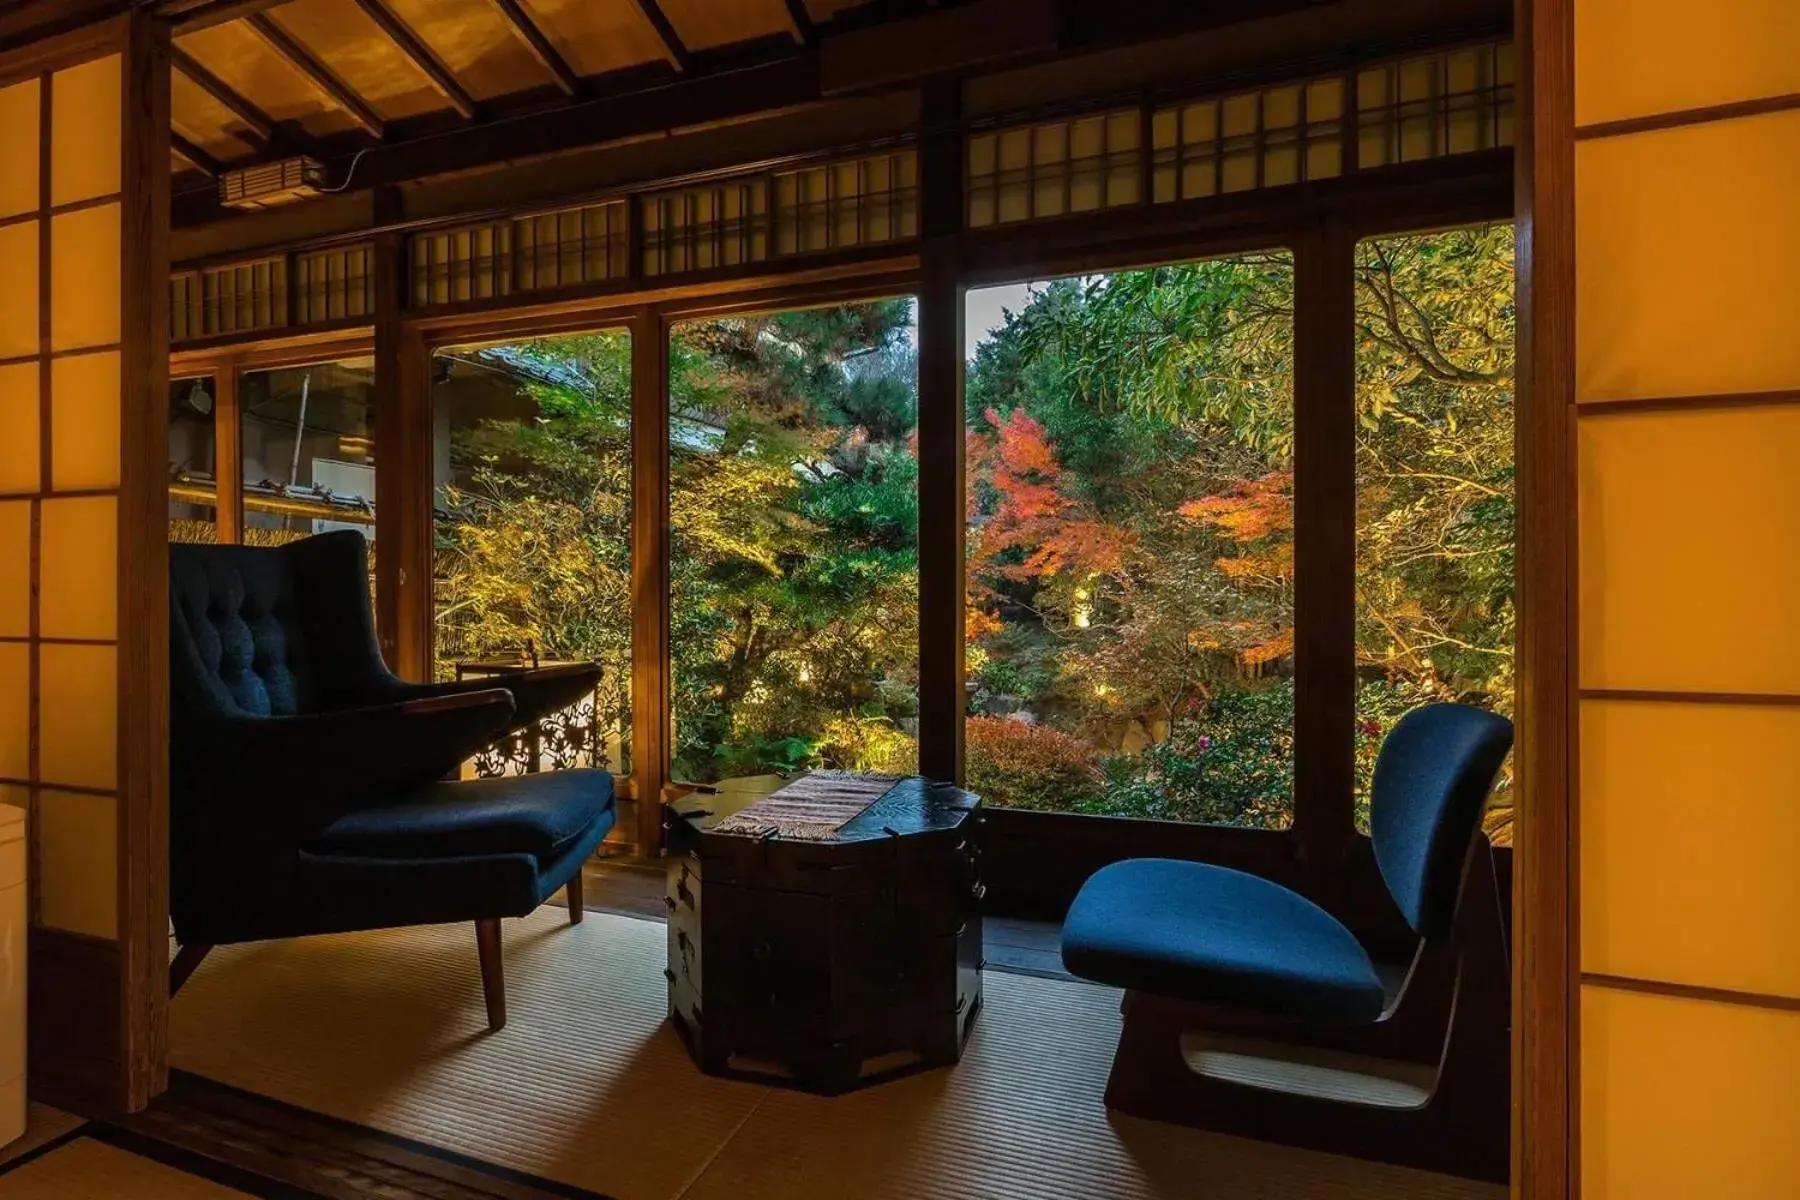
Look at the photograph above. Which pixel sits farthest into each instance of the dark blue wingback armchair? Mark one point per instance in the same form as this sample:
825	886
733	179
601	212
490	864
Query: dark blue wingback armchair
1199	947
308	789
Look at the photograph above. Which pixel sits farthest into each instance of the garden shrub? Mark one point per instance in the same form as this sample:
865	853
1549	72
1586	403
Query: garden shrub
1227	762
1015	764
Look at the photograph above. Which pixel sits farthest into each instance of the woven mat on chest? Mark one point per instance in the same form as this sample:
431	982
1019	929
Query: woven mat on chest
813	807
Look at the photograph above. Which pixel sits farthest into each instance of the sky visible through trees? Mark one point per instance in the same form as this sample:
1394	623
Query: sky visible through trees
1130	505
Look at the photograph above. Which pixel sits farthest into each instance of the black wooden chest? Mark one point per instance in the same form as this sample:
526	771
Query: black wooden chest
826	964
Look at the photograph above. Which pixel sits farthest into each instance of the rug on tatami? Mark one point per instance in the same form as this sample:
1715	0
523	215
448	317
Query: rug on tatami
587	1085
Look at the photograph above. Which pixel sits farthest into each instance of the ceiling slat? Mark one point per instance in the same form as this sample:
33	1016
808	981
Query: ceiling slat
674	49
320	75
539	45
206	163
799	21
256	121
422	56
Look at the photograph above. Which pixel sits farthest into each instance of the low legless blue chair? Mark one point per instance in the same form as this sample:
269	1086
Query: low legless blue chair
1251	1010
307	783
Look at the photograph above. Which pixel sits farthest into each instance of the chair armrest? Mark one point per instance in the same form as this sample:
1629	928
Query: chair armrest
453	701
536	693
298	774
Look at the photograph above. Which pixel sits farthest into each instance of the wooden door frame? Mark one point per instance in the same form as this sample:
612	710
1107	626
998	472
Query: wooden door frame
1545	886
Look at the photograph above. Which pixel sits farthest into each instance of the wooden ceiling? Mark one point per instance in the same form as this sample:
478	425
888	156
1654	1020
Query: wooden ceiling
260	79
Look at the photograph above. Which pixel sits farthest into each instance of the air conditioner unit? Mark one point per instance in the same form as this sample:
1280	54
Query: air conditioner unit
270	184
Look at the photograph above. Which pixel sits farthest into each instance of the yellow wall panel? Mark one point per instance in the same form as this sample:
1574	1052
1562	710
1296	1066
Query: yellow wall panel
1689	525
84	421
1634	58
85	143
20	453
78	863
15	568
19	126
78	588
1688	823
84	278
1687	1099
15	710
1689	280
19	332
78	715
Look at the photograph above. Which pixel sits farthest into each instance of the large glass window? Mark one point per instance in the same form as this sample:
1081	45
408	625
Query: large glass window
309	451
794	554
193	462
1130	544
1434	461
532	528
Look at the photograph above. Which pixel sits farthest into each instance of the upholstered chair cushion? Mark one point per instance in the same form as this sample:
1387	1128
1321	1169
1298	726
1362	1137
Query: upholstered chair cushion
542	818
1217	936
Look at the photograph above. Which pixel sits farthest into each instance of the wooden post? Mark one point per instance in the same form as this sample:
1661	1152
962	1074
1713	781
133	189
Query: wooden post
228	455
143	568
403	482
650	692
1545	882
941	437
1324	548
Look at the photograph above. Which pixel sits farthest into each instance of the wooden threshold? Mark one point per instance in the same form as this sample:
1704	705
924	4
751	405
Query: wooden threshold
267	1148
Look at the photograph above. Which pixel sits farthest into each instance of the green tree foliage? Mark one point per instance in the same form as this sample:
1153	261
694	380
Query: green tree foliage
535	546
1434	450
794	503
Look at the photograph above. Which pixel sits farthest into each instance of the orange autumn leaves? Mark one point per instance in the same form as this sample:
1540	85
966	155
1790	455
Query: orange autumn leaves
1035	530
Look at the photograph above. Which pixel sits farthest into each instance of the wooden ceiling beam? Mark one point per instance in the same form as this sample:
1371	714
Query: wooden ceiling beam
551	59
321	76
207	164
799	22
191	16
674	49
260	126
785	85
422	56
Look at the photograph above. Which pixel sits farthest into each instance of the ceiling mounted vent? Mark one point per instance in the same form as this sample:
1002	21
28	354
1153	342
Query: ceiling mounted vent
272	184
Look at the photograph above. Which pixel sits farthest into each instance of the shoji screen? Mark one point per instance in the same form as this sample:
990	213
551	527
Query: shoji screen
83	594
1687	376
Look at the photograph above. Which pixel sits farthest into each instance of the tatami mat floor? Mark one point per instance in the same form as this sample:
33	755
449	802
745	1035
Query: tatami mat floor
588	1086
86	1168
42	1124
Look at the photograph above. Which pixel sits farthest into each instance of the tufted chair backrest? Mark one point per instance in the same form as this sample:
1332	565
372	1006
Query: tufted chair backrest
239	646
271	631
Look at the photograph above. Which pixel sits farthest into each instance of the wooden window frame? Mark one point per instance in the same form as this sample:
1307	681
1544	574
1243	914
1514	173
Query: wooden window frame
1036	860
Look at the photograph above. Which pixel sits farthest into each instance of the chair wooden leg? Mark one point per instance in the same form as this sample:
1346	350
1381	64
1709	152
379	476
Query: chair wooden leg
493	971
187	959
572	890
